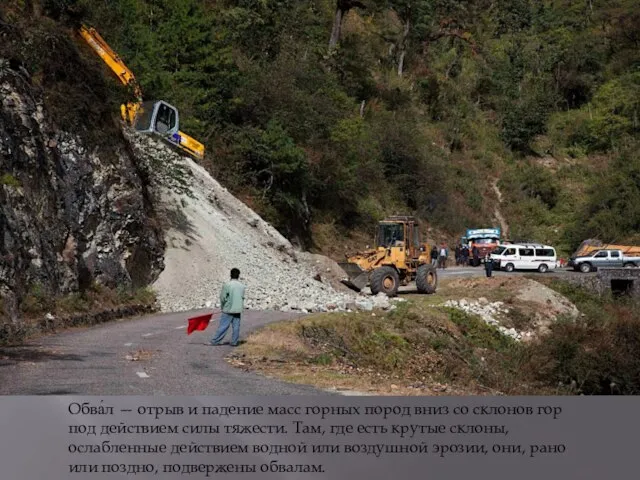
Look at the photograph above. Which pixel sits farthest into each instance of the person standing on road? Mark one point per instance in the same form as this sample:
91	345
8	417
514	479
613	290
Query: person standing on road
458	254
434	255
476	256
231	305
444	253
465	256
488	265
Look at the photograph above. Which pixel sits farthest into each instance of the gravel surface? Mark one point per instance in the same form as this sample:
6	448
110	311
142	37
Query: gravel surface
489	312
210	232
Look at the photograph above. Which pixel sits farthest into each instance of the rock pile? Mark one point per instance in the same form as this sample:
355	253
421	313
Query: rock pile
209	231
488	312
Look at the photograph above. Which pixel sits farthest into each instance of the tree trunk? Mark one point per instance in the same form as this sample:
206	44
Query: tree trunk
402	47
337	27
342	7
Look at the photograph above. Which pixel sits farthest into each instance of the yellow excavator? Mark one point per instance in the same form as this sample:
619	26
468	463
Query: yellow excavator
154	117
398	258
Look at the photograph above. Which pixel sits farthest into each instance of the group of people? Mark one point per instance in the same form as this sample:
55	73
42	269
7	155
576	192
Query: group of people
439	255
463	255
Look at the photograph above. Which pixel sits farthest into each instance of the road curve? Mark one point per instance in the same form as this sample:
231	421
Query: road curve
93	361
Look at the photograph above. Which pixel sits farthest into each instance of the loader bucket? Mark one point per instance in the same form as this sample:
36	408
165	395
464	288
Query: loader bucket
357	277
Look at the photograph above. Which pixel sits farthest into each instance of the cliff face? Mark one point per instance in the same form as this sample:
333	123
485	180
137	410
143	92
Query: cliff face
69	216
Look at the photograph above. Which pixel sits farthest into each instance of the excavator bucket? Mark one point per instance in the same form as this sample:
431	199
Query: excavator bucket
357	277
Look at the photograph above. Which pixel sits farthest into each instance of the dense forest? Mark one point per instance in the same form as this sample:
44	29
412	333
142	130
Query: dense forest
326	115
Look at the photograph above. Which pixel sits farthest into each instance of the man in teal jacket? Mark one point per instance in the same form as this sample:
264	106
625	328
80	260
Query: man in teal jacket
232	305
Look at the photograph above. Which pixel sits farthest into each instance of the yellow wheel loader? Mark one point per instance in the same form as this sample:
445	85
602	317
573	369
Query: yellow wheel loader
397	258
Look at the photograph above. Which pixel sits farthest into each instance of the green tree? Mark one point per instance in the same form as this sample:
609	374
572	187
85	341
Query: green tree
613	211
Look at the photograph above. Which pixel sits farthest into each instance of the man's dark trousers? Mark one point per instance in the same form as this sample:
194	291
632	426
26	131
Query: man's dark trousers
488	266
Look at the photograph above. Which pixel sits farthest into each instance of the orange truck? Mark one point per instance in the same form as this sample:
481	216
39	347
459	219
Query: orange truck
485	239
589	246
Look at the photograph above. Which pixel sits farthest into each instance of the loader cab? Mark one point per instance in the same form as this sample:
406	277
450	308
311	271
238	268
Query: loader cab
157	117
390	234
402	233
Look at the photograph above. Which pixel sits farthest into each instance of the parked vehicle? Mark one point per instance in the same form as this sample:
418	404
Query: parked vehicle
484	239
524	257
604	258
590	246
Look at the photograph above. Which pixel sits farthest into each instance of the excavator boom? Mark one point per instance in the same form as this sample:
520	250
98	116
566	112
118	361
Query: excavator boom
111	58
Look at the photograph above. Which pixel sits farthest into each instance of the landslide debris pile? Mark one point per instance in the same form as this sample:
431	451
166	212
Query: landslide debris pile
209	231
530	306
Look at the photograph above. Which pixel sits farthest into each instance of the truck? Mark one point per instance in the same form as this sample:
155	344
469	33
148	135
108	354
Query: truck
485	239
591	245
603	258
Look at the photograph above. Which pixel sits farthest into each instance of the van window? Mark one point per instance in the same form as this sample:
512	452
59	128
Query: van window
510	252
545	252
526	252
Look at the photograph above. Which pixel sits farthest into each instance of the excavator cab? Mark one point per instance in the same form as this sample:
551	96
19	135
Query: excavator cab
157	117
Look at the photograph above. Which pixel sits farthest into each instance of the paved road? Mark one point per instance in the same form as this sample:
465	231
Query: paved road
479	272
93	361
454	272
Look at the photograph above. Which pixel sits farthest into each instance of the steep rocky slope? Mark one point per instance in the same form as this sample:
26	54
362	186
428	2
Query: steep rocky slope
69	215
209	231
129	211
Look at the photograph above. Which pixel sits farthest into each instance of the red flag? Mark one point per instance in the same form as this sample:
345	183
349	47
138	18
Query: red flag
199	323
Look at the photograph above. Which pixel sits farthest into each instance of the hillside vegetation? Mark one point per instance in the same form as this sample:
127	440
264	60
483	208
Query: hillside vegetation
324	115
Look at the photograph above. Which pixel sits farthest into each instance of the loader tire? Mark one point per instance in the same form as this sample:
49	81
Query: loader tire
426	279
385	280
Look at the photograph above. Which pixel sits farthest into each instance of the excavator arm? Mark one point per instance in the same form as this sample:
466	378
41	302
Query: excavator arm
111	58
115	63
131	110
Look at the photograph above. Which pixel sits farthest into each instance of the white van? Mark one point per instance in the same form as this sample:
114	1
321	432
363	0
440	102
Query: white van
525	257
